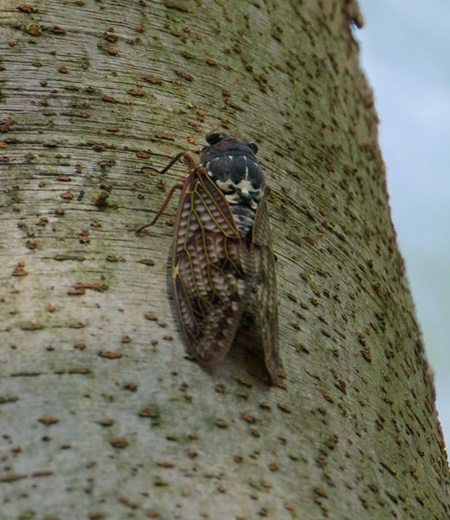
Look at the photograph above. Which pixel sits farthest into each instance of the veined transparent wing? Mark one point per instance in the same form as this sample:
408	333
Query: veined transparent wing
265	290
211	269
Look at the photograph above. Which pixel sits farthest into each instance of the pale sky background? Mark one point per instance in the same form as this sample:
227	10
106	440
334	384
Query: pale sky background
405	51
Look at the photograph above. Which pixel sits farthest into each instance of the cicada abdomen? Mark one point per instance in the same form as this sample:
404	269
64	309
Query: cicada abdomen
222	257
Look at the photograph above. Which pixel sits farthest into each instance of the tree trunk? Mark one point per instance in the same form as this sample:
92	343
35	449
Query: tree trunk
102	413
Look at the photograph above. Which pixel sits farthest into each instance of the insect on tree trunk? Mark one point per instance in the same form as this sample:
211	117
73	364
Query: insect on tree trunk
103	415
223	272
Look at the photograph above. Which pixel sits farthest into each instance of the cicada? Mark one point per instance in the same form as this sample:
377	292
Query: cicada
222	259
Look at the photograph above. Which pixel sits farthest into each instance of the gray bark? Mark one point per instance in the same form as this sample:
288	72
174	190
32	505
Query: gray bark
102	413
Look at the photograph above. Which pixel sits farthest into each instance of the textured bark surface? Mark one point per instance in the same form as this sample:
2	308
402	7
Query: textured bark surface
102	414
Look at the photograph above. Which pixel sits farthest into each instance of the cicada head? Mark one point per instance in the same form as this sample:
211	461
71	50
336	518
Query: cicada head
220	143
214	137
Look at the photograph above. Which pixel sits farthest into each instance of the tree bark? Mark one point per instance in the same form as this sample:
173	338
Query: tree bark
102	413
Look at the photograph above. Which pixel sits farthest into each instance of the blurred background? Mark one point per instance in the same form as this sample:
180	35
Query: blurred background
405	52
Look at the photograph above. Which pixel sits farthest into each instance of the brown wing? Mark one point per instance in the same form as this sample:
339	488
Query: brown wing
265	290
210	269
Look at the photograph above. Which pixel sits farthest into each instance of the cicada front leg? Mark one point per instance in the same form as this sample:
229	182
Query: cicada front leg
190	161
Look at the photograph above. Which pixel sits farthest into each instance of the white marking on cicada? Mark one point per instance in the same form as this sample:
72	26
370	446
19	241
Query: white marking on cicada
246	168
259	194
244	222
224	185
232	198
245	187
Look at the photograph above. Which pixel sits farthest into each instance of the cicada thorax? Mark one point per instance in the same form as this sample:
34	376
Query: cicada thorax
241	181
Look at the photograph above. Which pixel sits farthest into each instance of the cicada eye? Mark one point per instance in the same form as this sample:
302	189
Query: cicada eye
215	137
254	147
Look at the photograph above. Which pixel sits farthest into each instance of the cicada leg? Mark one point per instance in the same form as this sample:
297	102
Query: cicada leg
178	186
190	161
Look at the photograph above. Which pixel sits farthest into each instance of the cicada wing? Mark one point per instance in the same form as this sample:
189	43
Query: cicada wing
210	270
265	290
